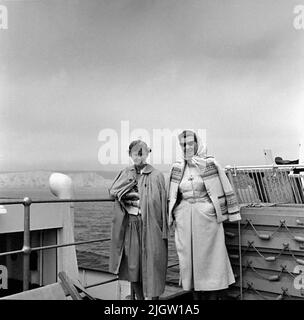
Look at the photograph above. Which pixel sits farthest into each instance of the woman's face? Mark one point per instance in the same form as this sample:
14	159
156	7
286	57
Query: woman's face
139	155
188	145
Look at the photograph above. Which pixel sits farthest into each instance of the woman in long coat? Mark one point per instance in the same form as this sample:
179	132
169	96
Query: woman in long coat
139	247
200	199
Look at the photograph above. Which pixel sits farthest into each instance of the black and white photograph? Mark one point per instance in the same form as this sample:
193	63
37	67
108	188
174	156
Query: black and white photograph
152	150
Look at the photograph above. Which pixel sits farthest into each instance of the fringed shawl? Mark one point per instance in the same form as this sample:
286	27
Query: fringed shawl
218	188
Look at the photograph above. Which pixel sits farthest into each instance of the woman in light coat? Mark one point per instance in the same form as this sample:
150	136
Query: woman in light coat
200	199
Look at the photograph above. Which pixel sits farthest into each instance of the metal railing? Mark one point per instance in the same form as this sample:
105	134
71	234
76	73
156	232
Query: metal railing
279	184
27	249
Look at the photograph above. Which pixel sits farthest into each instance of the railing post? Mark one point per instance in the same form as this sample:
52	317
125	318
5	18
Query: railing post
240	260
229	169
230	177
26	243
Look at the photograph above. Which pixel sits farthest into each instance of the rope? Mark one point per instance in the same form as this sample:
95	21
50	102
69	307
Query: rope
270	258
271	278
300	261
284	269
251	287
279	297
296	238
264	236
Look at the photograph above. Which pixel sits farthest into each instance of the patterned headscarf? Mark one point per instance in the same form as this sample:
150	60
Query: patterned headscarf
199	158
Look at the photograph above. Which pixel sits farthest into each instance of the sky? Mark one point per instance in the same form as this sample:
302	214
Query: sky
71	69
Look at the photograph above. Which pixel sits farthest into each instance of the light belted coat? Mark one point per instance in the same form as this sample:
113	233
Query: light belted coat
218	188
153	206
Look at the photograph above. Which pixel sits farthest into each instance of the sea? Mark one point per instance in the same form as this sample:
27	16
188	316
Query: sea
92	220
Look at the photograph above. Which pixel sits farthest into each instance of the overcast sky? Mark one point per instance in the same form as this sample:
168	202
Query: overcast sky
69	69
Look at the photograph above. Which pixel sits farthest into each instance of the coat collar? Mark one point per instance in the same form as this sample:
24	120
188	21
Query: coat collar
146	170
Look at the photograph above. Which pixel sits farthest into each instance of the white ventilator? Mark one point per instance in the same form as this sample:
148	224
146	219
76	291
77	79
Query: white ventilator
61	185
